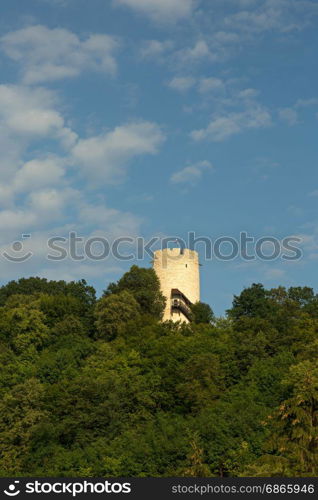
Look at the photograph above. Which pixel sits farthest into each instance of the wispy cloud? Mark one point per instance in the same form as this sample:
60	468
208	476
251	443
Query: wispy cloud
199	52
155	49
288	115
182	83
204	85
160	10
210	84
192	173
283	16
314	193
215	47
223	126
306	103
105	157
309	242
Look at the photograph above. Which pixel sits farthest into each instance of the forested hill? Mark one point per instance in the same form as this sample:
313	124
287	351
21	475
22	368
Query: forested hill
104	388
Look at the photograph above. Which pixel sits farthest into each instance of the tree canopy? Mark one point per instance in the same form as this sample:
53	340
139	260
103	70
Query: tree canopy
202	313
105	388
144	285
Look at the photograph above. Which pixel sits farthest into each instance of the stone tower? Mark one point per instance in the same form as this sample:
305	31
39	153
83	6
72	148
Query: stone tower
178	272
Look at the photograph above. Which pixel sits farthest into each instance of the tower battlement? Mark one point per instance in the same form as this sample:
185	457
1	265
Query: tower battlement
179	276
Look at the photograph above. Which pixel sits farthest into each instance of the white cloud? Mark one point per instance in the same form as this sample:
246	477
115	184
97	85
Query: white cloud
5	196
224	126
210	84
50	202
41	208
306	103
296	211
182	83
213	48
309	242
225	37
105	157
160	10
29	112
17	219
52	54
88	220
33	175
246	3
27	115
11	151
73	271
101	216
155	49
273	15
216	47
36	195
204	85
61	3
200	51
191	174
289	115
39	173
314	193
261	20
222	44
248	93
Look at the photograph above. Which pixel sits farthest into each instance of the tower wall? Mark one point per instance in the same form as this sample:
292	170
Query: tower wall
178	270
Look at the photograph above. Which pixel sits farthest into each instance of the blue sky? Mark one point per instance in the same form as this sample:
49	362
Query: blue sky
156	118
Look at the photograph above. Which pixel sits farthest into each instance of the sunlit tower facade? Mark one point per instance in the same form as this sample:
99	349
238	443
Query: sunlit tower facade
179	273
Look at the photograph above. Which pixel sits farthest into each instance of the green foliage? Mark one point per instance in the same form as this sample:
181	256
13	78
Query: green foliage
24	326
144	285
197	466
113	312
78	297
257	302
57	307
252	302
293	446
105	389
202	313
31	286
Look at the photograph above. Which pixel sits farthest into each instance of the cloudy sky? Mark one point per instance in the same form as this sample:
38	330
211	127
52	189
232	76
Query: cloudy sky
154	118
